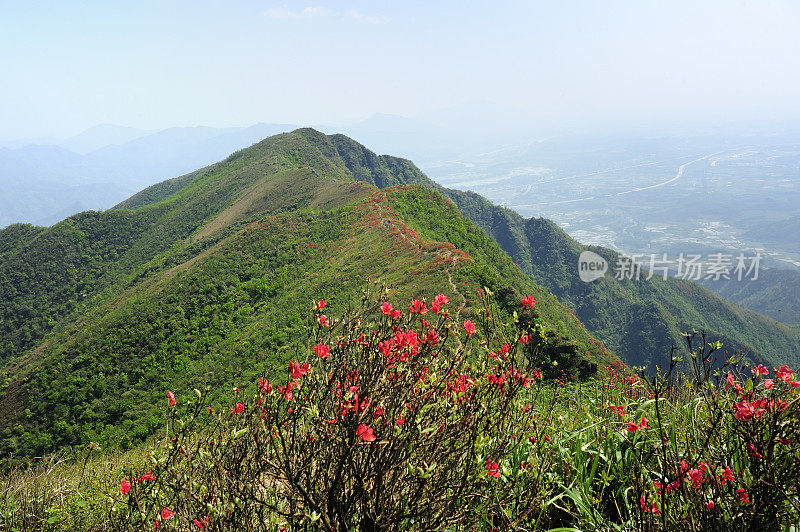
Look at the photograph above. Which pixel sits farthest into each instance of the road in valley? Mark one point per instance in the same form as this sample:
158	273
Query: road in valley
677	176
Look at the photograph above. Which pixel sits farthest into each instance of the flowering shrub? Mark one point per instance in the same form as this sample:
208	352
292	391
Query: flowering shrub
383	424
385	421
735	463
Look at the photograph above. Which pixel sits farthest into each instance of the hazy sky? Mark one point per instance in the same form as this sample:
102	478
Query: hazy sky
65	66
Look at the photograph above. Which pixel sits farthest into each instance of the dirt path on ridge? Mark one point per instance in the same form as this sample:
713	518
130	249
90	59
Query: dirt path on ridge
446	254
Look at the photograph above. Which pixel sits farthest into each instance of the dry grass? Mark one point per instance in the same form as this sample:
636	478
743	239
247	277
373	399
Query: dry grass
59	493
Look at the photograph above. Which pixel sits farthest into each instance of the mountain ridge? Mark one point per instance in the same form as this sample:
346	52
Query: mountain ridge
205	280
654	312
208	284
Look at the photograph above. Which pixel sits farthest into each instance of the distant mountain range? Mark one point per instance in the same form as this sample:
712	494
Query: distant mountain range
85	142
43	180
42	184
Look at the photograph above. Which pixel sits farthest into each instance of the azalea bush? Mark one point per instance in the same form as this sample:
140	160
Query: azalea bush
724	451
393	418
711	449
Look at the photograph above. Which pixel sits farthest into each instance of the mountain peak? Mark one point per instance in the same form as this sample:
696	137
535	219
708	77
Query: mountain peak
205	278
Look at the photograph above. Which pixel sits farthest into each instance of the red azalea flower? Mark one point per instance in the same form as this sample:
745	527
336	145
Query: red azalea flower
783	373
386	347
733	384
201	524
461	384
632	426
696	477
744	410
432	337
125	487
298	370
727	476
146	476
387	308
760	370
166	514
286	391
493	468
418	307
320	304
172	401
438	301
528	301
619	409
752	451
710	505
655	509
365	433
498	380
741	493
470	327
264	386
322	351
237	409
323	320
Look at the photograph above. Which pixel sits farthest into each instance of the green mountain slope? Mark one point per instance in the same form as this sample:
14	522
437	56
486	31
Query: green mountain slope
776	293
208	281
638	320
47	275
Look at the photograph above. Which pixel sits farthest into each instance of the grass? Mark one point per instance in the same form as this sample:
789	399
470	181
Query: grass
66	493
